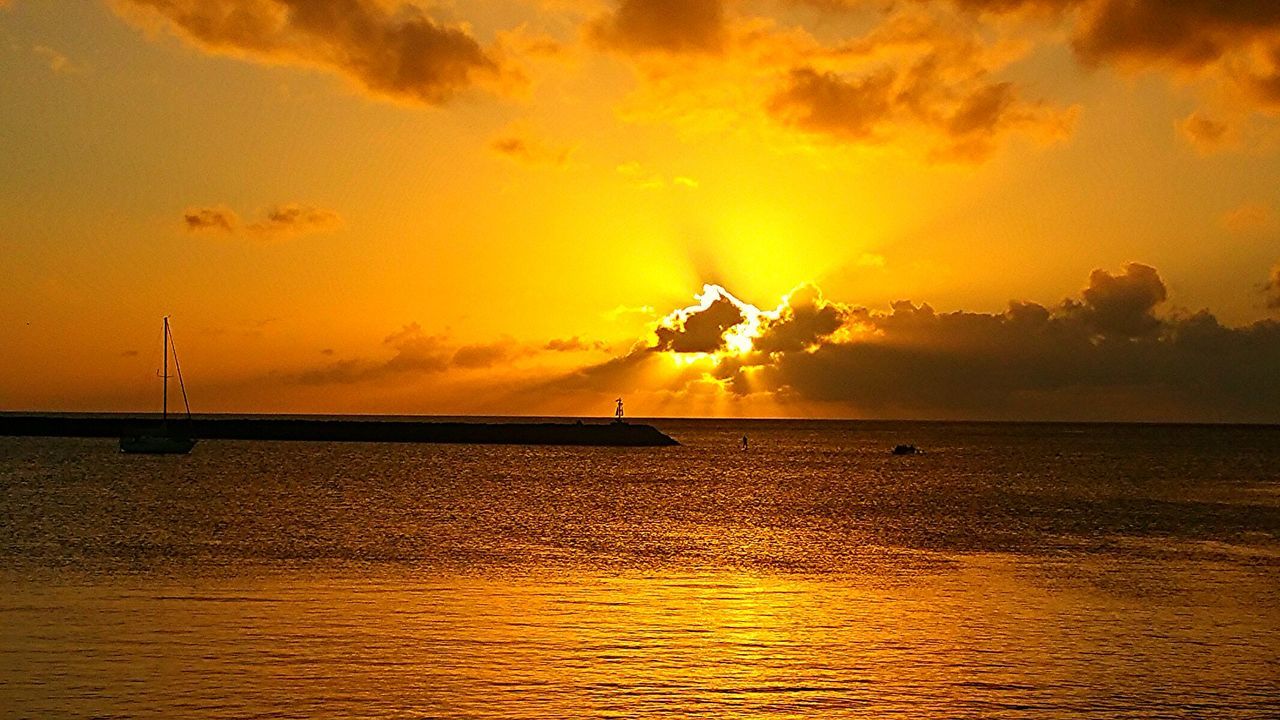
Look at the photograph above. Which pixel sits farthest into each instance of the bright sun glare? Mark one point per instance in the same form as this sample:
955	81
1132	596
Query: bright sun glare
738	339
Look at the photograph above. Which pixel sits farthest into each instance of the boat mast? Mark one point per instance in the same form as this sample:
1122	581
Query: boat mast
164	403
177	366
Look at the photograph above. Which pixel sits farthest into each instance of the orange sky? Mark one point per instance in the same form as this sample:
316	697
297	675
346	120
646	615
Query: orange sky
380	206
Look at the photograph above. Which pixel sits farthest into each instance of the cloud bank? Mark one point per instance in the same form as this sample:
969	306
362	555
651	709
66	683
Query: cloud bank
1109	354
1113	352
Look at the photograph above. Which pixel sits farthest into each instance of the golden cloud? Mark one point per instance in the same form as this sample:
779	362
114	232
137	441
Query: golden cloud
393	51
672	26
915	79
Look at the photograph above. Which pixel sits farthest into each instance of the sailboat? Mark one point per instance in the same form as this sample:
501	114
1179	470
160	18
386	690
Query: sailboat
168	441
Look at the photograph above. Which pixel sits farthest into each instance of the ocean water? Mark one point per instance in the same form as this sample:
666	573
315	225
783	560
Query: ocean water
1009	571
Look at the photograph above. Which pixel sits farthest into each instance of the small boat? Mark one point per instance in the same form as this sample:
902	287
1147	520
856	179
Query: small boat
905	450
166	440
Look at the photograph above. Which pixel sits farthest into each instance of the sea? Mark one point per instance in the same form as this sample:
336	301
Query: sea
1006	571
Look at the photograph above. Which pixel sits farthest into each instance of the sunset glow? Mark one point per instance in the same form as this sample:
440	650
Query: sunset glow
390	206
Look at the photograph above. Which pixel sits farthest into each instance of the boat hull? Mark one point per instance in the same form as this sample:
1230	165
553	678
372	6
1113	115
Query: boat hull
156	445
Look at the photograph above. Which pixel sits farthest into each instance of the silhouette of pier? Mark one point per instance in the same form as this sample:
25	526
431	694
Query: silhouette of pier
613	433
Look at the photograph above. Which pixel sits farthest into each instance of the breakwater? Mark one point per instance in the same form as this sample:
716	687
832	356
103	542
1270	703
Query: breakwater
343	430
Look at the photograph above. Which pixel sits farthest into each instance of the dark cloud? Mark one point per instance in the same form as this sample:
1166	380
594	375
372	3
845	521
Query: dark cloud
529	149
293	220
966	120
1241	37
218	219
673	26
1042	365
279	221
390	49
1122	306
1264	86
484	355
1238	39
700	331
851	109
1012	6
416	353
1105	355
1189	32
805	320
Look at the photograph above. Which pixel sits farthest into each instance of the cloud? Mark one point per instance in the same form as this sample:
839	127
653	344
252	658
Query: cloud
916	78
851	109
874	108
1206	134
803	321
523	145
392	50
1230	49
701	328
414	352
217	219
295	220
622	311
1182	32
1107	354
871	260
1271	290
59	63
483	355
1248	217
288	220
670	26
1237	41
1191	33
574	344
1122	306
1033	363
645	179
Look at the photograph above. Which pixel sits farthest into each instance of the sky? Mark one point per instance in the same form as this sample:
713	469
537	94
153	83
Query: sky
935	209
